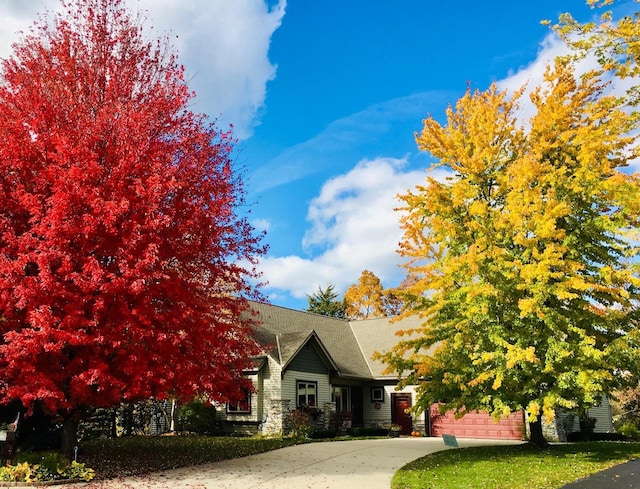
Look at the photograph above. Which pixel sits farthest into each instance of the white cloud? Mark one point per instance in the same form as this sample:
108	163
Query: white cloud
261	224
223	44
533	74
353	227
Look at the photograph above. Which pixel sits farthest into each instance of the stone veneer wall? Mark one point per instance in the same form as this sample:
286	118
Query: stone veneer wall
276	410
328	413
554	430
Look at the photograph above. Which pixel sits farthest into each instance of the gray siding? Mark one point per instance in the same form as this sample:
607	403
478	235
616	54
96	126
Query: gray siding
252	418
378	414
567	422
308	360
289	386
602	414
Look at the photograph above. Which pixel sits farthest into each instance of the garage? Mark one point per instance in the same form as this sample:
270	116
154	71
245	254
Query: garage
476	425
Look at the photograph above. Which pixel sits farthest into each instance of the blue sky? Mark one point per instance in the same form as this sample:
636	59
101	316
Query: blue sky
325	97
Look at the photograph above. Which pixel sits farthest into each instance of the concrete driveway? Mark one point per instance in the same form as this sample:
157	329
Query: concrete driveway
366	464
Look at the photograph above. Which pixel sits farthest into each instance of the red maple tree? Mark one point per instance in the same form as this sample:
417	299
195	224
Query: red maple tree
125	262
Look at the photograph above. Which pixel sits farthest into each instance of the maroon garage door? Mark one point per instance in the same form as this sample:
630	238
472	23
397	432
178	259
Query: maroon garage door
476	425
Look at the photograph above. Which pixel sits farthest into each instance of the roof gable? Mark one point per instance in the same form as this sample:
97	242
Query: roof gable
334	336
348	345
291	344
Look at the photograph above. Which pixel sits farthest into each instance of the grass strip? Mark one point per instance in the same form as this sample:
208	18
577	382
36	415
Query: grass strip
515	467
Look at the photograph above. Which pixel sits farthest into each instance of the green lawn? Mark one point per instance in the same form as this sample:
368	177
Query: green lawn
515	467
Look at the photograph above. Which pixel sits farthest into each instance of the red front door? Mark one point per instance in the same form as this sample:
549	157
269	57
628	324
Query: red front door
400	403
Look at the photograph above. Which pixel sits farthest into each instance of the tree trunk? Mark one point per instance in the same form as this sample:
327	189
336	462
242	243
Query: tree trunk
172	426
536	436
114	422
69	435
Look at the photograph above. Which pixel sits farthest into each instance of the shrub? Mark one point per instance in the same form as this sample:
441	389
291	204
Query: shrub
361	431
579	436
26	472
197	417
15	473
48	460
76	470
323	434
630	430
39	473
298	423
587	424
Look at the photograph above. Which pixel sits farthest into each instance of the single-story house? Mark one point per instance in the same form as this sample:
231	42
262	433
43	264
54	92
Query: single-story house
326	365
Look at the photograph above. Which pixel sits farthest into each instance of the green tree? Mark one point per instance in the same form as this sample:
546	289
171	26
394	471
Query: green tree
326	303
523	262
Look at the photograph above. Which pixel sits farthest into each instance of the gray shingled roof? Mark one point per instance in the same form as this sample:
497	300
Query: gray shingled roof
289	345
379	335
295	326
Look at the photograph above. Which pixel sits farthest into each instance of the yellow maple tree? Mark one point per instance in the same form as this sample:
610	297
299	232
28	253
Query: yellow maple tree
367	299
613	42
524	261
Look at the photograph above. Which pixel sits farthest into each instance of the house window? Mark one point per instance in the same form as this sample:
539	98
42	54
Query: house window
340	395
243	406
377	394
307	394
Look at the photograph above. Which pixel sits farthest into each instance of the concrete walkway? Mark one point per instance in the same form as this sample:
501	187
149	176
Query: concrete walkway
366	464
